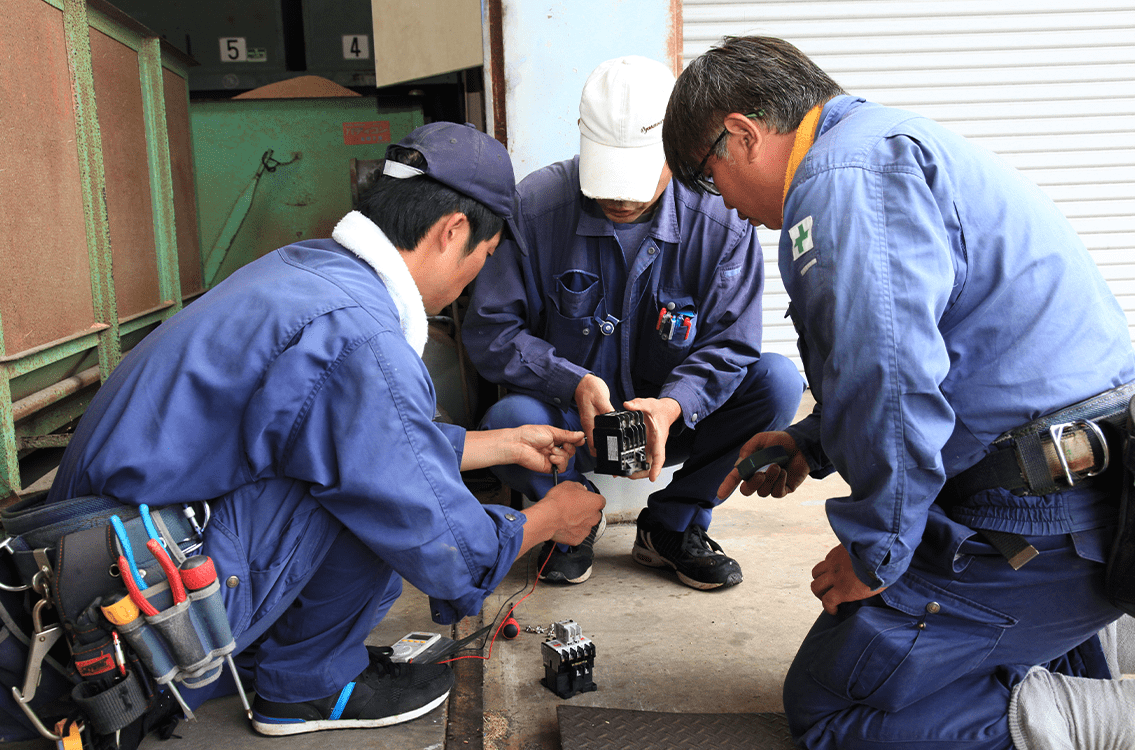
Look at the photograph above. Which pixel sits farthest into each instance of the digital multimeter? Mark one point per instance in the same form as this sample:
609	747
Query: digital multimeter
413	644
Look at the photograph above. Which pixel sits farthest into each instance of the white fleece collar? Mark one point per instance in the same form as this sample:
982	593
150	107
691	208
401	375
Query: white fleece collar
362	237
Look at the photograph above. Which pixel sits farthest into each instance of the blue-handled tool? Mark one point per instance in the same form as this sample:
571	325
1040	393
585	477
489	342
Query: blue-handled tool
127	553
761	460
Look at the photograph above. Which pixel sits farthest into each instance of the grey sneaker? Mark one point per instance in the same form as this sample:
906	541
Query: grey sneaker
572	565
385	693
698	560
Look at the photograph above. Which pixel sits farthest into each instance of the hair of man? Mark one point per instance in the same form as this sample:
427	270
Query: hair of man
405	208
742	74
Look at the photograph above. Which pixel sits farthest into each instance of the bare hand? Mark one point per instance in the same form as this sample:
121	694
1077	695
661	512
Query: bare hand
658	415
566	514
775	481
540	446
592	396
834	581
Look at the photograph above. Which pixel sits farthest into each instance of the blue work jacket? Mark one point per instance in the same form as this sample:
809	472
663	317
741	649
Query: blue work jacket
942	299
562	303
296	368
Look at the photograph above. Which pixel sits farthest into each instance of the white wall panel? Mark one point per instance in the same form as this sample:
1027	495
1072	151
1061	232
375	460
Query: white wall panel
1050	86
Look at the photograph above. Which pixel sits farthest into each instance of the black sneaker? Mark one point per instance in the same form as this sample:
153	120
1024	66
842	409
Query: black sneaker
385	693
698	560
574	565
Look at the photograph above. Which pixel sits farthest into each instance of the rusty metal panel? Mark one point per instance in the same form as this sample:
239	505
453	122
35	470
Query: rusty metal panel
118	93
184	191
45	289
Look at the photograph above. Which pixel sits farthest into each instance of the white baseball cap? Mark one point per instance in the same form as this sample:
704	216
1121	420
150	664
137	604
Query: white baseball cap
620	128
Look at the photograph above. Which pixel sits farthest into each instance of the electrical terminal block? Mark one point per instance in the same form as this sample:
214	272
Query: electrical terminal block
569	660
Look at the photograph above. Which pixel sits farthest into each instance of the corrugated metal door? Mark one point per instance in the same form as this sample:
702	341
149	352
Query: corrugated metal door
1048	85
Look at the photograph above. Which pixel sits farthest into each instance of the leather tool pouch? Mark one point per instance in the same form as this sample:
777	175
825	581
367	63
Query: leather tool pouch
1120	581
67	553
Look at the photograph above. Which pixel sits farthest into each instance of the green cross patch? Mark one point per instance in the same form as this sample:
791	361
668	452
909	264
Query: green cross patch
801	236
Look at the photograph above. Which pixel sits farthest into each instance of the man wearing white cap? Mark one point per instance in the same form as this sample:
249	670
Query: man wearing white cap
626	290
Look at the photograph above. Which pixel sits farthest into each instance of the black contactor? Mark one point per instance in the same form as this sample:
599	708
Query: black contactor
620	443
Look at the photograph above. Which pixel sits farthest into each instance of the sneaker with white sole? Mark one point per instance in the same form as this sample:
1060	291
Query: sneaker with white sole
698	560
385	693
572	565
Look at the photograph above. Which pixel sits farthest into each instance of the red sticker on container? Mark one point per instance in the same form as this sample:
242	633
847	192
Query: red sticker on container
366	133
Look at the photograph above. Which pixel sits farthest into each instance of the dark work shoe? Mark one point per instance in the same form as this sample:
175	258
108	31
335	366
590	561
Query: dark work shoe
697	559
385	693
574	565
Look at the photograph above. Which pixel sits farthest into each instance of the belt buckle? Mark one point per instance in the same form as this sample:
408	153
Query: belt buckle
1056	432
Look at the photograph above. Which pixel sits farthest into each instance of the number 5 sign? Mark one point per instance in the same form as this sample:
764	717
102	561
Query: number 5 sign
233	49
356	47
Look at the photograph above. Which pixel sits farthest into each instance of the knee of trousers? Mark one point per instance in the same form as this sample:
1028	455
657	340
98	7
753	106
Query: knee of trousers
515	409
784	385
769	396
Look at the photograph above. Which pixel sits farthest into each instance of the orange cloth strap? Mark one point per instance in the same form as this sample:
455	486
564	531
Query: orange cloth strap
805	135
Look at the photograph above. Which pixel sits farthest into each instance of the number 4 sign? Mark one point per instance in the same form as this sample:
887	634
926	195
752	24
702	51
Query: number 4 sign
356	47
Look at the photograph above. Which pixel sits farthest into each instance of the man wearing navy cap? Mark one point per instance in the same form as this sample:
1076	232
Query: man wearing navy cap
293	399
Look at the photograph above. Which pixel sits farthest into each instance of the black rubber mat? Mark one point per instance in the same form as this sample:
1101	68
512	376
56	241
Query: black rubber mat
586	728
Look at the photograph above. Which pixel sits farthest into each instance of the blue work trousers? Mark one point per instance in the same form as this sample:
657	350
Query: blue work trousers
300	590
767	399
931	661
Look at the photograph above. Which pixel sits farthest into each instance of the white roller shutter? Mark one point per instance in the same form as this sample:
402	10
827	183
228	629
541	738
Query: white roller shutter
1048	85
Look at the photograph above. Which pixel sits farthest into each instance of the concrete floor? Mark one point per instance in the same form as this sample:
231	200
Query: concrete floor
660	646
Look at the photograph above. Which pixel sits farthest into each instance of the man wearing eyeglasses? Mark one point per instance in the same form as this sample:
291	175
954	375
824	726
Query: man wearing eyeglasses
972	373
626	290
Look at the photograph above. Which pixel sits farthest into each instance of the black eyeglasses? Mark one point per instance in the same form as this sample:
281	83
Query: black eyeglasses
704	182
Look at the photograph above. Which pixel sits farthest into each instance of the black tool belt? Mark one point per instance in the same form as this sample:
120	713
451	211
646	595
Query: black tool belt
1119	581
1057	451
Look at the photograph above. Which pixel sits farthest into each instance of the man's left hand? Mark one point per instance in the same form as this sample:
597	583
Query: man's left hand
658	414
834	581
539	446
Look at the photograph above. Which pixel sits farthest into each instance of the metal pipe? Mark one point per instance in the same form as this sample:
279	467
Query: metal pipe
54	393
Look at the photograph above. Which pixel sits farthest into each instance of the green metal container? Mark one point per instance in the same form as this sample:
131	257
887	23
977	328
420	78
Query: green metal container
274	171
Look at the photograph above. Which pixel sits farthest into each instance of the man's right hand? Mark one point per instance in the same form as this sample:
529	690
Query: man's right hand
566	514
592	397
775	481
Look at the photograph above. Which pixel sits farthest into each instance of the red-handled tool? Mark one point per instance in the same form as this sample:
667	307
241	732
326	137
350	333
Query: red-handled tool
176	587
132	588
198	572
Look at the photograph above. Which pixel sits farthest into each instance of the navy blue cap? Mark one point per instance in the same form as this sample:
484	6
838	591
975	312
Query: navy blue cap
467	160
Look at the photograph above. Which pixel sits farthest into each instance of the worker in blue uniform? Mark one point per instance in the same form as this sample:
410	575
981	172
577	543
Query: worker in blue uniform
293	399
624	290
944	307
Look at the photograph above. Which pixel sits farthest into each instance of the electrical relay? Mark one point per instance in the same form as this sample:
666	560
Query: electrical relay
569	660
620	443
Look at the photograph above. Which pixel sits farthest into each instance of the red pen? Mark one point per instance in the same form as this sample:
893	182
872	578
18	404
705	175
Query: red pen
119	657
